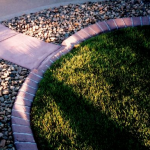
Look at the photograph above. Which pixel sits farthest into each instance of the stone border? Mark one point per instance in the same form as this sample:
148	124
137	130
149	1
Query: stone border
20	117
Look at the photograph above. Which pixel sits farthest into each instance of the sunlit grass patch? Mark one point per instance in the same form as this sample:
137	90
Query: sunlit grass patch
97	96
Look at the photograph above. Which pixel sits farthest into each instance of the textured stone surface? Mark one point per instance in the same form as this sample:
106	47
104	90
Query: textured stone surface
26	146
21	129
120	23
137	21
5	33
128	22
27	88
104	26
21	108
23	102
57	24
11	78
25	95
20	121
96	28
112	25
23	137
20	114
146	20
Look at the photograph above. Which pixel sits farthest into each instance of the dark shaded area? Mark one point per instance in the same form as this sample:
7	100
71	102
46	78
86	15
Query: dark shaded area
146	1
93	127
138	42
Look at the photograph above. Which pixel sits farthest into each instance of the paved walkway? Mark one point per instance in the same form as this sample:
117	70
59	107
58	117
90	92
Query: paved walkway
15	8
24	50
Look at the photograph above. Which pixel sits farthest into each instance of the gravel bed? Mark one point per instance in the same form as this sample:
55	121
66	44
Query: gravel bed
11	78
55	25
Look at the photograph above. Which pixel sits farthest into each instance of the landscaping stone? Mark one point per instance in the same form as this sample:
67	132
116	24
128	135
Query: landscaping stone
10	83
55	25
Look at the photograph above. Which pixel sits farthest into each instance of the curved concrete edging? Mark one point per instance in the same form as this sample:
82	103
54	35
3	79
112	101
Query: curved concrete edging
23	136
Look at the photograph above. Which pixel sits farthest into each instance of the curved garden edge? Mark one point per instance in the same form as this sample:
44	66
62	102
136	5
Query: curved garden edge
20	117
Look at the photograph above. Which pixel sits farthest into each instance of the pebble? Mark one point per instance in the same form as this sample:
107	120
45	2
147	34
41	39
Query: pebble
56	24
9	87
2	143
6	91
1	135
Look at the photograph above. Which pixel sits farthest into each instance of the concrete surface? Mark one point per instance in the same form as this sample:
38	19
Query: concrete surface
24	50
14	8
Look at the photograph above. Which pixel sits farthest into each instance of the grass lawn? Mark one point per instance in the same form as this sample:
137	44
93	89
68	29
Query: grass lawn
97	97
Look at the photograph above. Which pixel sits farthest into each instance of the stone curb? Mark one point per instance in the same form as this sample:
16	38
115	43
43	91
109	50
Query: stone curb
20	117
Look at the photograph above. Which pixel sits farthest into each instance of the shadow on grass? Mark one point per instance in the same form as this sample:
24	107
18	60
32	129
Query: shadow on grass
136	40
139	42
93	128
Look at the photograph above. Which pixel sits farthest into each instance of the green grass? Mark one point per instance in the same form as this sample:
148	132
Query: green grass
97	97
